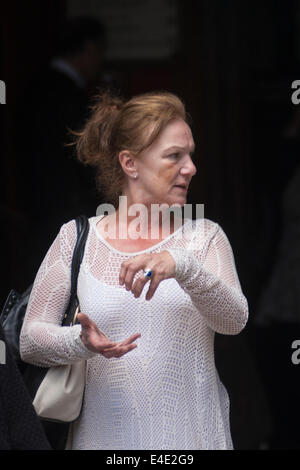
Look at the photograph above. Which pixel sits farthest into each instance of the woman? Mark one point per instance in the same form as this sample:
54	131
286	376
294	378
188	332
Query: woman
157	389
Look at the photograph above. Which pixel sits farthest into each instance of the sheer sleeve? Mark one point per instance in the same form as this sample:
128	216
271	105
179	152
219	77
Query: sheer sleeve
43	341
212	282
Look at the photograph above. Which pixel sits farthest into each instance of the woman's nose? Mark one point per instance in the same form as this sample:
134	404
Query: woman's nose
189	167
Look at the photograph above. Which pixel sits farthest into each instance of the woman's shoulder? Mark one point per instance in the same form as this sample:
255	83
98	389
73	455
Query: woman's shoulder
205	227
69	227
196	232
208	233
68	232
201	232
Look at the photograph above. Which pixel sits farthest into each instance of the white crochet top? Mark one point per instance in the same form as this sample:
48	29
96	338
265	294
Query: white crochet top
166	393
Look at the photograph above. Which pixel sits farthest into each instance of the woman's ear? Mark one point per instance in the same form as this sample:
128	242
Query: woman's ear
128	163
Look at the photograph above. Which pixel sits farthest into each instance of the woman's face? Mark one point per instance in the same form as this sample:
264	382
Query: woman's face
165	168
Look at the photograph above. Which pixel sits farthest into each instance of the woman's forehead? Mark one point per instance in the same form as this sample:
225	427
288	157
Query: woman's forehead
176	133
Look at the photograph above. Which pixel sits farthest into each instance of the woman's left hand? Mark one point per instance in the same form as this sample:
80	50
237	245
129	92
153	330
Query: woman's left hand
161	264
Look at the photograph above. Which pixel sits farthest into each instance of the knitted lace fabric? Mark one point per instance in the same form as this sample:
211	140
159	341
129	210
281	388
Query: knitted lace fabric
166	393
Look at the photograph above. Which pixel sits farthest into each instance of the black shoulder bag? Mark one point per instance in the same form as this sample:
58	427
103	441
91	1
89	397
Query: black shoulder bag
12	317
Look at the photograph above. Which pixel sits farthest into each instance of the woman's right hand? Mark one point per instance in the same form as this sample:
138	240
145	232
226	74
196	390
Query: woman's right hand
97	342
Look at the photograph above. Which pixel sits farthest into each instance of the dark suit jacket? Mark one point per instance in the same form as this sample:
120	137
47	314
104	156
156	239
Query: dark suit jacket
53	187
50	180
20	428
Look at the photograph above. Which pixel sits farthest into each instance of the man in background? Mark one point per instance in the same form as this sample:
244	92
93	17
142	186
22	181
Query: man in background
52	186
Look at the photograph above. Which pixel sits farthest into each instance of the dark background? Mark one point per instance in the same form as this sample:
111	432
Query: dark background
233	67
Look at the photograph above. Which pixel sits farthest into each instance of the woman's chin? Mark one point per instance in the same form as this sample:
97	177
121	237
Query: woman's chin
180	201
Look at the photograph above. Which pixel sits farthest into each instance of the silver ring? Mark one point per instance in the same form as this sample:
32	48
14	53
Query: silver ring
147	273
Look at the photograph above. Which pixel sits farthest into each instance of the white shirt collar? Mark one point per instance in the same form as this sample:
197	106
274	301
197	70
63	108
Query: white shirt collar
64	67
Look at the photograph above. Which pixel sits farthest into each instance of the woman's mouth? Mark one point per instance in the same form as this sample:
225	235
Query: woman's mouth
181	186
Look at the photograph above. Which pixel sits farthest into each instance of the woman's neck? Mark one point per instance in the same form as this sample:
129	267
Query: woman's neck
145	224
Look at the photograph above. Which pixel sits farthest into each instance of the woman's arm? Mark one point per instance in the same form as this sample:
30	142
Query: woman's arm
43	341
213	284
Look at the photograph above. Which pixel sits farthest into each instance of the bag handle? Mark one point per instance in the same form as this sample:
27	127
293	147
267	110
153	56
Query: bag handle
82	226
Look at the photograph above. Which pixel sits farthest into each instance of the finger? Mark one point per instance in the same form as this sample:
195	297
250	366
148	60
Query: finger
129	275
109	353
152	288
123	271
106	343
130	339
127	350
123	344
131	267
84	320
122	274
87	323
118	351
138	286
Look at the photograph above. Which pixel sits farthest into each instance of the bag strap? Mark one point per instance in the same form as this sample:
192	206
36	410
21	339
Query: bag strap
82	226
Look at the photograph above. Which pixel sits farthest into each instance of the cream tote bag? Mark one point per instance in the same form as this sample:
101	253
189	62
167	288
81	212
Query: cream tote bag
60	395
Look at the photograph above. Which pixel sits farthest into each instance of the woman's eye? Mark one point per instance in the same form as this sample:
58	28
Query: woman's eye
174	155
